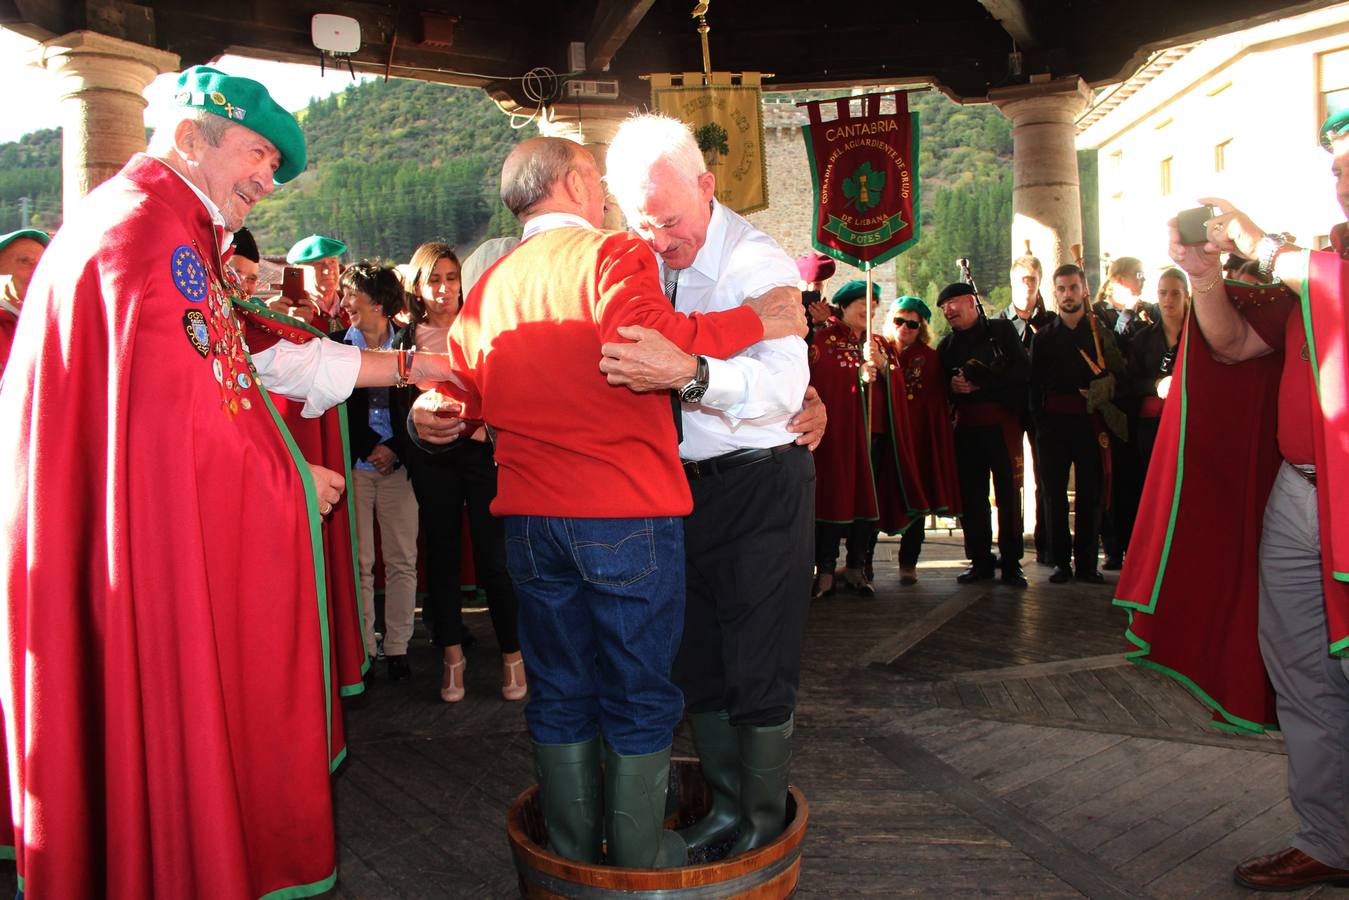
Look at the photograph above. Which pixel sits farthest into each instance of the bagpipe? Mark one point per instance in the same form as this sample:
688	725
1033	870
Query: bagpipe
975	370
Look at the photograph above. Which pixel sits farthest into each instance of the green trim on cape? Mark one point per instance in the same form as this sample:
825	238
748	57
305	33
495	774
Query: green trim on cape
1231	723
302	890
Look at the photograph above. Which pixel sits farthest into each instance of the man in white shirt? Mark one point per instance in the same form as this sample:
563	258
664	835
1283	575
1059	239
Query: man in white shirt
748	543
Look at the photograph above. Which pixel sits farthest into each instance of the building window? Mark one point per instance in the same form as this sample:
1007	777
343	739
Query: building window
1332	84
1166	176
1220	155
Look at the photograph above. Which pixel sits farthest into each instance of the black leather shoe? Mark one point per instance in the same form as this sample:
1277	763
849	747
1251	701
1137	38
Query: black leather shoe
1060	575
1113	564
399	670
1092	577
975	573
1013	575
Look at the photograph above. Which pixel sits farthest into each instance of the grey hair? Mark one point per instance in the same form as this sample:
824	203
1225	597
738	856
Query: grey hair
641	142
531	170
211	126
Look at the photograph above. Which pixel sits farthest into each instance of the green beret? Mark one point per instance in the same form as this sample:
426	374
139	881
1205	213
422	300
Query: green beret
854	290
247	103
314	247
31	233
913	304
1335	125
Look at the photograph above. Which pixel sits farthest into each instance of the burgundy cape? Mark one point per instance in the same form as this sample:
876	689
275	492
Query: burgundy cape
930	424
846	487
1190	581
323	441
165	680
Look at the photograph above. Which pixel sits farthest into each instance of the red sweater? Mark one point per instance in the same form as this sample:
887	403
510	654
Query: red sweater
527	347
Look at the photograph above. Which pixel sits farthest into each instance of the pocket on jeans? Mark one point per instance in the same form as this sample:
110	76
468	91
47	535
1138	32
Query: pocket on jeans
614	553
520	560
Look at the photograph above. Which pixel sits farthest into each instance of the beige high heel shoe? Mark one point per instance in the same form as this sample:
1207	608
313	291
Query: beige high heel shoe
513	688
452	681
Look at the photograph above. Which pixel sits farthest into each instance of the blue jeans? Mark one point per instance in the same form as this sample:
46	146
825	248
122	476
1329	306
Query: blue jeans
601	615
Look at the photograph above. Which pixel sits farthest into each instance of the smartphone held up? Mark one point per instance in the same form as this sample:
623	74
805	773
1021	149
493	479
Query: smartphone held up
1193	224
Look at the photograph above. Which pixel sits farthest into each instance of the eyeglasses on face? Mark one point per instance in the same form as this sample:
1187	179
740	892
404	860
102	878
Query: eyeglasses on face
908	323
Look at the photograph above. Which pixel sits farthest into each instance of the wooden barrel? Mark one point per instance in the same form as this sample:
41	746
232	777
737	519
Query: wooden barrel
767	873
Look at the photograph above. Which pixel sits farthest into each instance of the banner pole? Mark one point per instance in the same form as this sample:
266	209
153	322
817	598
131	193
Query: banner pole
867	351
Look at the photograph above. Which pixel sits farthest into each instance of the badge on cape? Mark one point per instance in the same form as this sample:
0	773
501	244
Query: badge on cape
194	323
188	273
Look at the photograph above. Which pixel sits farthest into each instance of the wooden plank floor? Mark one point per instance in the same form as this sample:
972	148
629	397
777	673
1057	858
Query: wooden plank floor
952	741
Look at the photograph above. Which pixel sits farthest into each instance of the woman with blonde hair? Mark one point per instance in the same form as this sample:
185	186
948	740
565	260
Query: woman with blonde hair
1151	357
1119	303
464	474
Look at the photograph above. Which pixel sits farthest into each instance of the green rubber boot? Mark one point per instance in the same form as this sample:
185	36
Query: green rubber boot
569	793
634	812
718	748
765	764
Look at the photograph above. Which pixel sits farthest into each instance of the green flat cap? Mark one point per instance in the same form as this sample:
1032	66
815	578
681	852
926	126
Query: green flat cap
31	233
912	304
247	103
316	246
854	290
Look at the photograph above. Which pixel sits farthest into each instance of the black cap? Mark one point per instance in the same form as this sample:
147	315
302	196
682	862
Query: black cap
951	291
245	246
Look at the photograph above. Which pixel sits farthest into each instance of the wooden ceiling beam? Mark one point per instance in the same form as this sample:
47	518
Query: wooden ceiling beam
1015	20
615	20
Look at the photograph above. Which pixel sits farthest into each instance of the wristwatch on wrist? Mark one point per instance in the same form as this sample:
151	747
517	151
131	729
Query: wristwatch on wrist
1267	248
694	390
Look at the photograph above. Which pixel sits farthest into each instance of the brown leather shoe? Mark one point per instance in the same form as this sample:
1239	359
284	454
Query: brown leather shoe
1287	870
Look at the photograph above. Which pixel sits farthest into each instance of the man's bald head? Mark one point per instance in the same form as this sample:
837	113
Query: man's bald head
548	174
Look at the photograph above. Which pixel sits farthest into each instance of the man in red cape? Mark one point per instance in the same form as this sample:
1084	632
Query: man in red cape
859	489
166	679
1240	587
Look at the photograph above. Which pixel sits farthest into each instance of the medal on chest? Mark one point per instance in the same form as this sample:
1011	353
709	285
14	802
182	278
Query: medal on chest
215	331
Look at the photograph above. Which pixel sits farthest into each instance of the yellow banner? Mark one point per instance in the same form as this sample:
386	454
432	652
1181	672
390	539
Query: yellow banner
725	111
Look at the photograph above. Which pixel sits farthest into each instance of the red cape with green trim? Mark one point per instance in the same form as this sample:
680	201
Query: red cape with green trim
323	441
1190	580
846	488
164	677
930	424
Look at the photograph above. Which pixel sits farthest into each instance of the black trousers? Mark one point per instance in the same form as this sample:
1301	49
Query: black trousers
748	548
860	535
1069	442
981	452
911	544
465	475
1126	487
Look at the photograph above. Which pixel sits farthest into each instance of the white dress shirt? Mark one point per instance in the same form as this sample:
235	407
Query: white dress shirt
751	396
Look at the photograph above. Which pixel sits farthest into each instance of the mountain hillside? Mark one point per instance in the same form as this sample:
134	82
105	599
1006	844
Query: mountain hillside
394	164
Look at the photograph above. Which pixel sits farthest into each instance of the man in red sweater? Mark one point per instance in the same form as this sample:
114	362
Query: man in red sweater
592	493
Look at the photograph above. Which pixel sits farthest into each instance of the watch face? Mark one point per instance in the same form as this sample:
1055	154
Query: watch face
692	394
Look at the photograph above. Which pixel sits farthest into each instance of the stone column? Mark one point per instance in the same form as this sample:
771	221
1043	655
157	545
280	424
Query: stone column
103	109
593	125
1046	201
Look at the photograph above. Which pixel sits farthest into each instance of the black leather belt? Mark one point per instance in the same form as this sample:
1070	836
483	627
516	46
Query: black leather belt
705	468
